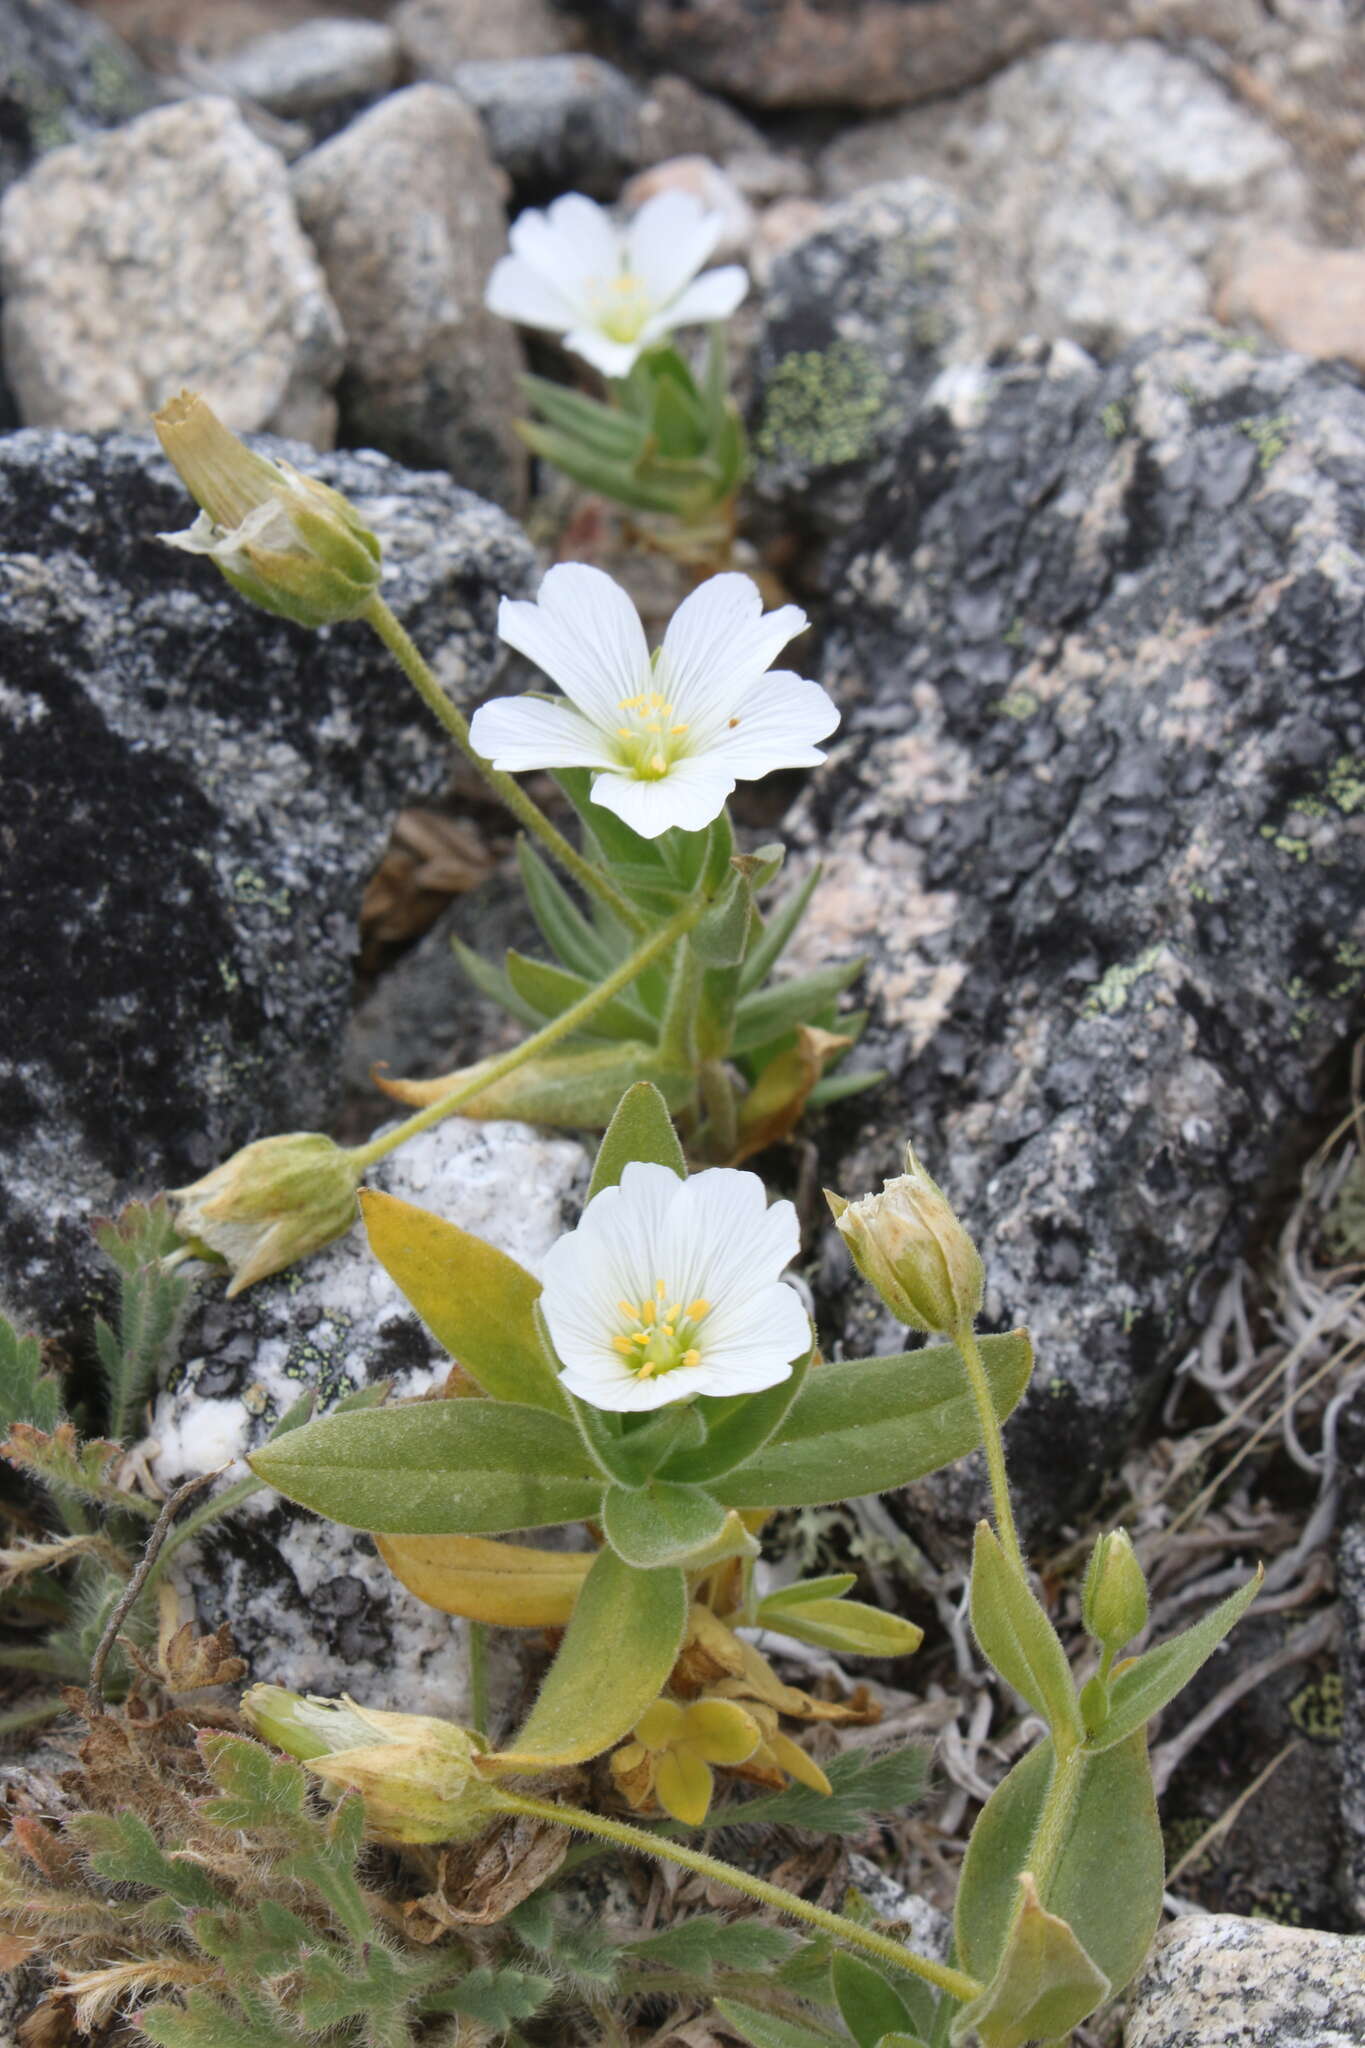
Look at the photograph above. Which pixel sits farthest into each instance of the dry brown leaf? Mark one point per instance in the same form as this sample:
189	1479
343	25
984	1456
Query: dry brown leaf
481	1882
430	858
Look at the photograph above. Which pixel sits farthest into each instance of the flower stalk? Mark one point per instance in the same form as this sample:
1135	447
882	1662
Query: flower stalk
993	1443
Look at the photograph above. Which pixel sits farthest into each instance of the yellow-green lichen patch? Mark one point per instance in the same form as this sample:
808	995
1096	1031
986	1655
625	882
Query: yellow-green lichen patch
1111	992
1269	437
823	406
1318	1708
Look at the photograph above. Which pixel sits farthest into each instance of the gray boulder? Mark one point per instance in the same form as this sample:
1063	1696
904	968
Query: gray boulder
1095	816
436	34
1249	1984
405	209
193	795
312	1605
556	124
166	253
63	74
317	68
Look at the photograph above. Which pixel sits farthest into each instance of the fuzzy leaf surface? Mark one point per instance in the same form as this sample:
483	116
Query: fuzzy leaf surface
641	1128
869	2004
1018	1639
1152	1680
662	1523
509	1584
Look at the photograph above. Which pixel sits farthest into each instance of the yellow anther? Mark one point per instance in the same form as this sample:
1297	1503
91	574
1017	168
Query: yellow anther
648	1311
668	1329
640	1337
661	1288
733	723
645	1370
622	1344
627	1308
678	728
697	1309
657	763
675	1312
692	1357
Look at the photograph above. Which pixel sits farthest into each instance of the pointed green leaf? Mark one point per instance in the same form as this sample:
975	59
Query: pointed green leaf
1152	1680
869	2005
770	1012
848	1627
476	1301
871	1424
832	1587
632	1449
1018	1639
578	1090
840	1087
617	1652
866	1787
600	427
493	983
27	1393
493	1997
575	940
720	938
765	2029
551	990
660	1523
777	933
738	1426
1109	1879
640	1129
702	1942
1044	1986
436	1468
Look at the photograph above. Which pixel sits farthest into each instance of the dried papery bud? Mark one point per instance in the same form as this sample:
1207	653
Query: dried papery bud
270	1204
283	540
908	1244
418	1776
1114	1598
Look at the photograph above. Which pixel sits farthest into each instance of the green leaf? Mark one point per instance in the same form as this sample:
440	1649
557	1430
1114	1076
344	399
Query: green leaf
765	1016
493	983
738	1426
765	2030
552	990
205	2022
122	1848
641	1129
847	1627
865	1787
839	1087
633	1455
476	1301
704	1943
436	1468
494	1997
1152	1680
152	1304
719	939
610	476
27	1393
875	1423
1044	1986
600	427
562	924
578	1090
256	1788
869	2005
1108	1881
1018	1639
833	1587
617	1652
661	1523
777	933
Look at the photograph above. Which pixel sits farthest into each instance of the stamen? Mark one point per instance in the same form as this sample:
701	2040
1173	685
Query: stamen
692	1357
627	1308
697	1309
640	1337
679	728
622	1344
658	763
660	1288
648	1311
733	723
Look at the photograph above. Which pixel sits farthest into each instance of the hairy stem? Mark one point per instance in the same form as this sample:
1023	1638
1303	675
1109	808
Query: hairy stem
423	679
1054	1822
964	1337
568	1021
955	1982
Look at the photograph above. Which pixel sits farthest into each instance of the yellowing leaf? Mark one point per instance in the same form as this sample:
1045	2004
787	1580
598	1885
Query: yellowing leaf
509	1584
1045	1985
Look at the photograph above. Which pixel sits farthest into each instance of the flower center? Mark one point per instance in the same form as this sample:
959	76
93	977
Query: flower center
621	306
649	739
660	1335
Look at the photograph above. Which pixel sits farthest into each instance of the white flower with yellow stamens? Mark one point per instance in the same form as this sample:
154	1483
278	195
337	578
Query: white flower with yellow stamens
670	733
670	1288
612	292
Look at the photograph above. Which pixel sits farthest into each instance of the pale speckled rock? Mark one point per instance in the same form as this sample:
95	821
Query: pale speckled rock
858	318
193	795
310	1604
1308	299
437	34
1216	1981
1097	815
405	208
928	1931
556	124
1102	182
313	67
166	254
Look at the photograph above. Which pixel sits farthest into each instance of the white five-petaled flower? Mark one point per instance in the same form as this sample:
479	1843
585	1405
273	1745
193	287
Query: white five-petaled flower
670	1288
670	734
611	291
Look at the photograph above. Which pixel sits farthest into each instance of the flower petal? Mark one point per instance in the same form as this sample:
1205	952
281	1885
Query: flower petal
612	358
612	1256
585	633
516	733
682	1786
690	795
627	1395
712	296
754	1341
572	246
723	1239
668	241
662	1722
519	292
775	725
719	642
721	1732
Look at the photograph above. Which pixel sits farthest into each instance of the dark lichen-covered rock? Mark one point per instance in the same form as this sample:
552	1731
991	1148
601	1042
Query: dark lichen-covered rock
62	74
192	795
1098	817
1351	1589
858	320
564	122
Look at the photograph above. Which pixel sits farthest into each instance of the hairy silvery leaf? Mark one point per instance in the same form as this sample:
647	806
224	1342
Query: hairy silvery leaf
640	1128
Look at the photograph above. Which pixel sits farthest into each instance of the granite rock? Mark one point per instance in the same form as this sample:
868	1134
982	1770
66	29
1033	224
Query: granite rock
62	75
314	68
556	124
857	320
405	209
163	254
436	34
310	1604
1308	299
193	796
857	53
1249	1984
1104	184
1097	814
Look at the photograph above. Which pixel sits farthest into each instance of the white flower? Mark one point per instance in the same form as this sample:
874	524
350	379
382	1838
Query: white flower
670	1288
611	291
670	734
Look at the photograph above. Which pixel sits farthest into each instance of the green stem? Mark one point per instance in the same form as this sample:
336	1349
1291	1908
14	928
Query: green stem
955	1982
568	1021
423	679
964	1337
718	1101
1054	1822
478	1677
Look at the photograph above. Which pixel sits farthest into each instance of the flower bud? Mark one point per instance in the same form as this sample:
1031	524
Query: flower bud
418	1776
270	1204
1114	1597
909	1245
285	541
